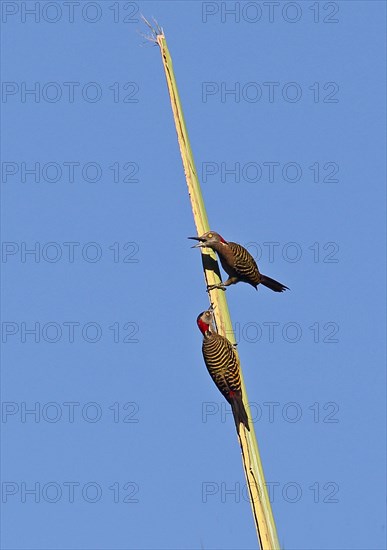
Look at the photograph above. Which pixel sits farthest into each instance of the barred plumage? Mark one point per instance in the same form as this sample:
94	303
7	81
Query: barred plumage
243	265
223	366
237	262
222	363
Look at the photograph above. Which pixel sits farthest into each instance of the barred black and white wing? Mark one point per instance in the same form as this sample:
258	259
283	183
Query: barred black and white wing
223	365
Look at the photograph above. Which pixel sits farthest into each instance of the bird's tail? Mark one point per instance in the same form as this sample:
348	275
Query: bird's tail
272	284
238	410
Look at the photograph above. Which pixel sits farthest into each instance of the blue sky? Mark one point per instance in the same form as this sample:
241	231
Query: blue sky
129	445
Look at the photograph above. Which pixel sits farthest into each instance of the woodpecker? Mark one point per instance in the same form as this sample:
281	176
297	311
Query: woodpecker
237	262
223	365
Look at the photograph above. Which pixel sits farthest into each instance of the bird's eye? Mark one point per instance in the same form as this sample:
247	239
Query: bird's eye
210	235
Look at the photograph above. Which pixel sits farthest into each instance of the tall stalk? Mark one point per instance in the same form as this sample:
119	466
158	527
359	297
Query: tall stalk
259	499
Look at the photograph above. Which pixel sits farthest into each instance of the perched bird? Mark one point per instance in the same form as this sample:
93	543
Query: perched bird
237	262
223	365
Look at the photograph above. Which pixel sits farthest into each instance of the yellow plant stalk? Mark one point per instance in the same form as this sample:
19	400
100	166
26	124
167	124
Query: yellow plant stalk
260	503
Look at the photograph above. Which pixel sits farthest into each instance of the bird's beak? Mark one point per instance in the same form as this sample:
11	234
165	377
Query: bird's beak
200	244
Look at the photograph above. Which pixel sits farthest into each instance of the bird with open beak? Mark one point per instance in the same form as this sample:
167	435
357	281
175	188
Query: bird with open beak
237	262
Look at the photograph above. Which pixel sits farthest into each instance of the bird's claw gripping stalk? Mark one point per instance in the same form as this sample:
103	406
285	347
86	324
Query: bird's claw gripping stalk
213	287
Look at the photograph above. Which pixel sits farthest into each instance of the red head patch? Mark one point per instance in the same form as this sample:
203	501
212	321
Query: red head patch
203	326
